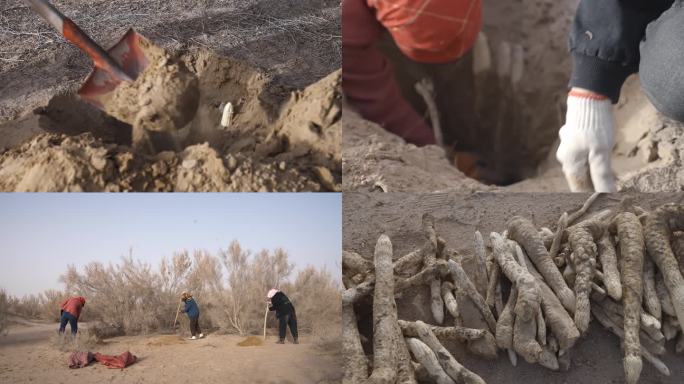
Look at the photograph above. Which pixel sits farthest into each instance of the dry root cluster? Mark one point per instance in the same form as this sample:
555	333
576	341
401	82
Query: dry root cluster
623	266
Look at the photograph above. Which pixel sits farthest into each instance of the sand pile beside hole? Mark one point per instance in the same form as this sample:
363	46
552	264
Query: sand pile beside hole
251	341
377	160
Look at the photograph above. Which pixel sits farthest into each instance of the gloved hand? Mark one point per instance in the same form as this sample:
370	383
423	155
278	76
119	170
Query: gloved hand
586	143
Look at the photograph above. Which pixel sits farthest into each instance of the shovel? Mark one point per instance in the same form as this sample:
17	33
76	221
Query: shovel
176	319
265	317
123	62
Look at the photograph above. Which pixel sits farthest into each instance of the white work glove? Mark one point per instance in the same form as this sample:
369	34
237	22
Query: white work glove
586	145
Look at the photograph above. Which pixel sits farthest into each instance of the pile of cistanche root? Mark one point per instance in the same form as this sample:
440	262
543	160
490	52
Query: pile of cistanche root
617	266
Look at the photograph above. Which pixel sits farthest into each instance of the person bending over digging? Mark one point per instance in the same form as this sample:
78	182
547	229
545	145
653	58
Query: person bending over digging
192	310
426	31
609	40
285	312
70	312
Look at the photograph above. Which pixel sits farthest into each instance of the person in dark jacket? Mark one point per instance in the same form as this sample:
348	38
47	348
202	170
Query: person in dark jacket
610	40
285	312
70	312
192	310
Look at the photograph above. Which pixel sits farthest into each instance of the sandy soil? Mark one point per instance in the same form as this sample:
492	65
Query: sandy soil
27	356
595	359
284	135
512	124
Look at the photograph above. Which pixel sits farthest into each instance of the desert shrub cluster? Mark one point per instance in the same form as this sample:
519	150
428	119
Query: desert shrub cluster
133	297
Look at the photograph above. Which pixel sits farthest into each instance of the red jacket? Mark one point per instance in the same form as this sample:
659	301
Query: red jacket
430	31
74	305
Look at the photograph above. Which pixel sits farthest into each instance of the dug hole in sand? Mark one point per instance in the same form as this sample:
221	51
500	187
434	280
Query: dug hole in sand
270	145
517	91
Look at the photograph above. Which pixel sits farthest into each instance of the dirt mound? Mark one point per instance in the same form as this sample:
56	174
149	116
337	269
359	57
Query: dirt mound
267	147
163	98
251	341
377	160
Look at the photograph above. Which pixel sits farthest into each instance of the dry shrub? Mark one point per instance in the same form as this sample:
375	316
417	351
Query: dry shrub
44	306
131	297
318	303
84	340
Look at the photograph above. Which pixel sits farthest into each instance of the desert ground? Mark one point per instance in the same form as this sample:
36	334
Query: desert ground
595	358
28	355
514	118
276	62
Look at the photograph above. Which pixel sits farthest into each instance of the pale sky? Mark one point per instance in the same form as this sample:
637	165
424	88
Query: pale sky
41	233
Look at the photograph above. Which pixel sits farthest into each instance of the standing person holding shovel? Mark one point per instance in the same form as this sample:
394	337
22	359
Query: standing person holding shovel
192	310
285	312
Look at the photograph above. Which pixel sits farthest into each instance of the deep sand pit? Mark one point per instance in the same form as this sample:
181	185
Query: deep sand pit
595	358
268	147
512	118
26	356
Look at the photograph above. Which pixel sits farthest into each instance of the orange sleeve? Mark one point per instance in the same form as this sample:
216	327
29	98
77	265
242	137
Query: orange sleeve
368	79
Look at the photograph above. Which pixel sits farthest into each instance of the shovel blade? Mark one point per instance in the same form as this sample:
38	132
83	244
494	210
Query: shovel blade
129	53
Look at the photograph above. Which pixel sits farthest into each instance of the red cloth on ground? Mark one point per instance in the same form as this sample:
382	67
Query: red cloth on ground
80	359
433	31
74	305
122	361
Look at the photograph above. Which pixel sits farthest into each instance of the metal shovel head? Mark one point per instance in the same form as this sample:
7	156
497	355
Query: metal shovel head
129	53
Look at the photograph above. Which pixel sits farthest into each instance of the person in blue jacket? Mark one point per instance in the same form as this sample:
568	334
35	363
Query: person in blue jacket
192	310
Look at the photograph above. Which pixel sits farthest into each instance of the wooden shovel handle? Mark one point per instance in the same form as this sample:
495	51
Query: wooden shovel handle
177	312
76	36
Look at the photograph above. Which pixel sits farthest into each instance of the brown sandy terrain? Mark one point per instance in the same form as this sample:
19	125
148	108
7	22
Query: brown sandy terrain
27	356
275	62
514	120
596	358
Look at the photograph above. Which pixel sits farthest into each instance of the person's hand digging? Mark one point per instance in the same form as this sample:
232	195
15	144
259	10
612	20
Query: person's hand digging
586	142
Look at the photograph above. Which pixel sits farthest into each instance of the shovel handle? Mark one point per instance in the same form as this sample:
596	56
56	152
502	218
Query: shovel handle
177	312
76	36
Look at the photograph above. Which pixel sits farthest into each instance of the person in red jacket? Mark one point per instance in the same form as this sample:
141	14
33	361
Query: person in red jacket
71	311
425	31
